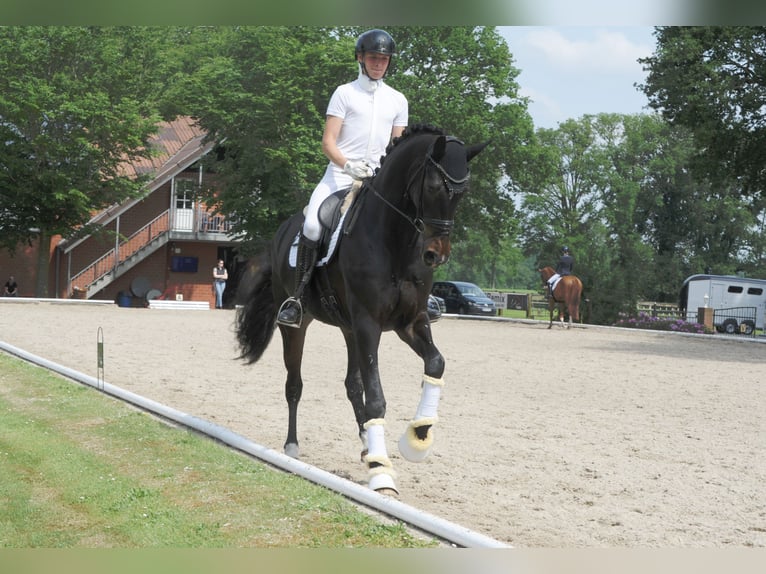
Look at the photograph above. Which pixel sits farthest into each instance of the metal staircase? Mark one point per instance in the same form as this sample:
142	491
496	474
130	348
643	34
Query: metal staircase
126	255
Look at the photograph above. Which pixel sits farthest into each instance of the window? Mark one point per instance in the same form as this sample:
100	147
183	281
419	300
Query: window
754	291
179	264
185	189
734	289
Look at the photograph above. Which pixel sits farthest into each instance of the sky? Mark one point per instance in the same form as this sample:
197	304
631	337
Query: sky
569	71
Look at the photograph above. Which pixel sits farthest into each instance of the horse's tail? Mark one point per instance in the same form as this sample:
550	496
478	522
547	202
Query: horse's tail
256	318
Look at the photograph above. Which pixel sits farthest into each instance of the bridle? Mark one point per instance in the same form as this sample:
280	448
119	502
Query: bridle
453	185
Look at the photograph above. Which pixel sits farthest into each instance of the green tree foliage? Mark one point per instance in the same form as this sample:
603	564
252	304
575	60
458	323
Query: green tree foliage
712	80
75	103
561	193
463	80
638	220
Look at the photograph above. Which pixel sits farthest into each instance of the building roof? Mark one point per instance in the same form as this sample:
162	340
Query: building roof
179	144
175	139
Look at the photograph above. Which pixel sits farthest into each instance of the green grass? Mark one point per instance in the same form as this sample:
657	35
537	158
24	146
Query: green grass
79	469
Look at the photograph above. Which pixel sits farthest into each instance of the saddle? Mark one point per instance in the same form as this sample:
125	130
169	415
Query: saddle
336	215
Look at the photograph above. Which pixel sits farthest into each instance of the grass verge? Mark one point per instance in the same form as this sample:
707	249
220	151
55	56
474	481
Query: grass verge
80	469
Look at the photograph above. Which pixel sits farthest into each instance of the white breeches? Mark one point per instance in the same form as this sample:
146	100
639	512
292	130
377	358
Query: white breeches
333	180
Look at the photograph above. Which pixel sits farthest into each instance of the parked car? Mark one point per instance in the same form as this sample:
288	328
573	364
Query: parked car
436	307
464	298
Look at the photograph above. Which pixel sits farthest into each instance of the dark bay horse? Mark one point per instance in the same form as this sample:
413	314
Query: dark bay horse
377	280
567	293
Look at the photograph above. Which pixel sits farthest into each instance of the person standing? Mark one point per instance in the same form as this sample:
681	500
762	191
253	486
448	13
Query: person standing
363	116
220	275
11	287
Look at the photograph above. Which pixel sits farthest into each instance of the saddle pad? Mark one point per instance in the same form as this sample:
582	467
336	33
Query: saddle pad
333	243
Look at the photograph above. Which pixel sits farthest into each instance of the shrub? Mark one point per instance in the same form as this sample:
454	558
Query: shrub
644	321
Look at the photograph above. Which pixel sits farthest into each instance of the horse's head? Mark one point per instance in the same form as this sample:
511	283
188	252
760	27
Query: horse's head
546	273
445	176
432	168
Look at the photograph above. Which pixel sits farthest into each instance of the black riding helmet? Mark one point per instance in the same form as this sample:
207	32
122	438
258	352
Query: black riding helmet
378	42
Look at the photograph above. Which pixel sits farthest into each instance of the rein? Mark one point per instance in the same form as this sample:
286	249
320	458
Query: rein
453	186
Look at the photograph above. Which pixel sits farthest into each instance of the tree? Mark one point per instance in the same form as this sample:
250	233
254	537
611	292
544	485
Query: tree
75	103
561	191
463	80
712	80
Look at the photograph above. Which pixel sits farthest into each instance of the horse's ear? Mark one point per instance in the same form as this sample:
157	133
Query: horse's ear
474	150
438	148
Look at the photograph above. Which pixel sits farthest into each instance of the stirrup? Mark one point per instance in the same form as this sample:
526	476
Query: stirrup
284	307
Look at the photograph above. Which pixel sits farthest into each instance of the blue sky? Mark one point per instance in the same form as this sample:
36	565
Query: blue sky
569	71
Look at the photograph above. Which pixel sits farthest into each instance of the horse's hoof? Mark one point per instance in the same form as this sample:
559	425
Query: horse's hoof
388	492
291	450
413	449
383	483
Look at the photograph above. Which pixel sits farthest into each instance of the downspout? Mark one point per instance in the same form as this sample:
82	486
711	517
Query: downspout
116	246
57	267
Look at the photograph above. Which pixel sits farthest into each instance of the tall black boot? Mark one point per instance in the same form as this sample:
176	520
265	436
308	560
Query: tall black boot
291	311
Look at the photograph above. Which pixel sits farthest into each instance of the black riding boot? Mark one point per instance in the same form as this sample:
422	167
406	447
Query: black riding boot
291	311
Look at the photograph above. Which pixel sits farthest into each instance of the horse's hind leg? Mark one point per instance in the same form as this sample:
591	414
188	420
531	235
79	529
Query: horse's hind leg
292	352
574	313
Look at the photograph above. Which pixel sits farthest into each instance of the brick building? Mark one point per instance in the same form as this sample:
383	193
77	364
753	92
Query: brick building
163	244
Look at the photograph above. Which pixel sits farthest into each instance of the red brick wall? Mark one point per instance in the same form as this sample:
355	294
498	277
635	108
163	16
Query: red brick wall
22	266
156	269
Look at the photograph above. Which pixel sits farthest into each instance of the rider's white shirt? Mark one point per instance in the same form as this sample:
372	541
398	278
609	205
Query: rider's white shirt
369	111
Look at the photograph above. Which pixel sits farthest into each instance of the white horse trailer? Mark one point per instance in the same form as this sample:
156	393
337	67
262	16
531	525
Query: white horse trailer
738	303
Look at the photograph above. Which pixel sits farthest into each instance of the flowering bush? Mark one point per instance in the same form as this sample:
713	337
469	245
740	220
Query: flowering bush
644	321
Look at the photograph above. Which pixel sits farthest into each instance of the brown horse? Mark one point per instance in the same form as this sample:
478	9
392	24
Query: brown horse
566	293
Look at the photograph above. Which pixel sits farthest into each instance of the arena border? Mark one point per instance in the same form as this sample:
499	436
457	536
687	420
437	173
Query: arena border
711	337
438	527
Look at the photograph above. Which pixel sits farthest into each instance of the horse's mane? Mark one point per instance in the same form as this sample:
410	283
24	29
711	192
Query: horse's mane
411	131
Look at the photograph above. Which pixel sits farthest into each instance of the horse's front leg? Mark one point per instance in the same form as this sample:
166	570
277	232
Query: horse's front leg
292	353
355	389
380	469
416	442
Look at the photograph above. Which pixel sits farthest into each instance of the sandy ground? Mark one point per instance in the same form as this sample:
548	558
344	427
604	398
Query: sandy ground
588	437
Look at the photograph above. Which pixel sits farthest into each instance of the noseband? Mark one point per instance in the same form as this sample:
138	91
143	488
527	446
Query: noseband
454	186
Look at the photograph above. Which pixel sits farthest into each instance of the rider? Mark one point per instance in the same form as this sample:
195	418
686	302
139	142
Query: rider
565	266
362	118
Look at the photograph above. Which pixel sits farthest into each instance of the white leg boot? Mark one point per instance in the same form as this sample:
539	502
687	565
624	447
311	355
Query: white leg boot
411	446
379	466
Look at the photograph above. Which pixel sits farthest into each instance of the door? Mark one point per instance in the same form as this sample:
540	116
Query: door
183	217
718	297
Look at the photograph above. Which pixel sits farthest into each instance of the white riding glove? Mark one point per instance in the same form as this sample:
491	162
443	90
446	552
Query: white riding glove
358	169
